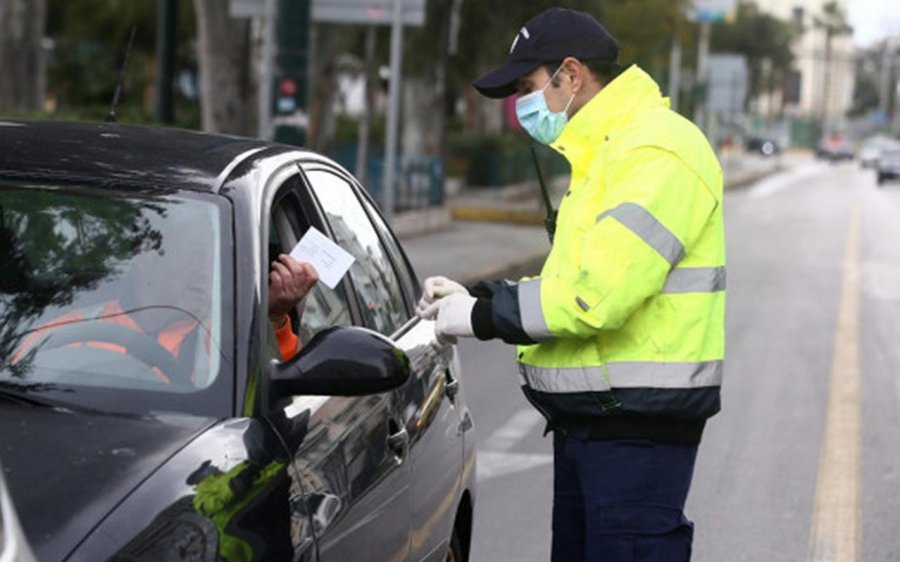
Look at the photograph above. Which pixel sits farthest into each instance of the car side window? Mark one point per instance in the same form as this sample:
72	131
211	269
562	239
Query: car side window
404	269
322	307
378	289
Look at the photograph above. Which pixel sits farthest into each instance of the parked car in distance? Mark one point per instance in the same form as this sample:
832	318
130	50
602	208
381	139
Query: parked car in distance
763	145
888	166
834	148
147	413
872	148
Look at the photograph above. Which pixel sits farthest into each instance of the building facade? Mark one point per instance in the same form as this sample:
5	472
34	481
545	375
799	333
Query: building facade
824	61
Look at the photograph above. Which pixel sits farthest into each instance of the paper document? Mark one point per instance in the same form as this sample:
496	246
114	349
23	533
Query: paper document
330	260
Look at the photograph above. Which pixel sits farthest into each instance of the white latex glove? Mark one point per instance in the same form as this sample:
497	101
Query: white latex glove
454	317
436	288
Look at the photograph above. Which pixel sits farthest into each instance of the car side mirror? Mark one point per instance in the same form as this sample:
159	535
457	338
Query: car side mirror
341	361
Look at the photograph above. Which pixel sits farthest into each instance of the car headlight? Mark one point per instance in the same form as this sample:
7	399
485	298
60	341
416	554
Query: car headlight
179	534
13	546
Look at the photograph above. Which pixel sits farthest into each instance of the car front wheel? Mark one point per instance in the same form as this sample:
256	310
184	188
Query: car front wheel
455	551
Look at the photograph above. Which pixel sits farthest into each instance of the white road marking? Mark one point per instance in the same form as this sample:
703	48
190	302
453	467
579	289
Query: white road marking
492	465
836	529
495	458
505	437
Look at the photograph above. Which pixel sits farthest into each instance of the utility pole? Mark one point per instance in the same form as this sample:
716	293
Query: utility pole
166	22
675	63
266	74
674	72
371	77
888	82
390	147
702	78
826	85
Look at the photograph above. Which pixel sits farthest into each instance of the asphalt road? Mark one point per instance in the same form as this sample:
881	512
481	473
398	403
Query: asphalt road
803	462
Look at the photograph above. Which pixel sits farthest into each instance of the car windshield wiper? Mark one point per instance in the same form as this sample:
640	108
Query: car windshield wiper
22	393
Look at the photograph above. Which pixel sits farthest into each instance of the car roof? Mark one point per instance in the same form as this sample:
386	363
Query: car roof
113	154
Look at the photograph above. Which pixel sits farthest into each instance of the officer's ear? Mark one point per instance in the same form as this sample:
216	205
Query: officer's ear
574	71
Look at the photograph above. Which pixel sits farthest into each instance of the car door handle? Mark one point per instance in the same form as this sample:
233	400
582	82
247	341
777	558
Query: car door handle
398	443
451	386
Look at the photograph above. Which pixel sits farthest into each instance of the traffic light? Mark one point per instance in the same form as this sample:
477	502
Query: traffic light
291	109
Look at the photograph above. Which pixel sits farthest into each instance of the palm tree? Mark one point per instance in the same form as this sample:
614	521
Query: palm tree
833	21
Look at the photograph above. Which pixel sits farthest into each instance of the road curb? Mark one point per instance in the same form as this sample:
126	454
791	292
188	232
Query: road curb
753	177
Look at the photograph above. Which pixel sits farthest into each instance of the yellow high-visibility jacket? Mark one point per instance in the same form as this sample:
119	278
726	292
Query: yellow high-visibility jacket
624	328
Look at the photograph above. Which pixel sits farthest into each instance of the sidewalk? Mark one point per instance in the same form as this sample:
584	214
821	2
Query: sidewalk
498	232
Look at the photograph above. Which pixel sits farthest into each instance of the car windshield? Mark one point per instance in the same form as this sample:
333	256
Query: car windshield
112	300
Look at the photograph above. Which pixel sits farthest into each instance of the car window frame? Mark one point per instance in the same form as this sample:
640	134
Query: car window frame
310	164
400	261
277	188
288	208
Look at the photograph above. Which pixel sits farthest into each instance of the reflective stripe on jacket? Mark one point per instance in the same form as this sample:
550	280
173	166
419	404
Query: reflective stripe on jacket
627	316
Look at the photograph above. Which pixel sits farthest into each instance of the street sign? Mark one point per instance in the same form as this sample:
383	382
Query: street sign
371	12
247	8
728	81
713	10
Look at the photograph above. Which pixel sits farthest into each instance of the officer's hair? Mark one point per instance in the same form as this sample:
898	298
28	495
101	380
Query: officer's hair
603	70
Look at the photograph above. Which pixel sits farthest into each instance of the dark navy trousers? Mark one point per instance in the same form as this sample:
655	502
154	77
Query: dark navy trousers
620	500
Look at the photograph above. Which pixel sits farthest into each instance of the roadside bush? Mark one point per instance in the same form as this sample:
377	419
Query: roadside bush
491	160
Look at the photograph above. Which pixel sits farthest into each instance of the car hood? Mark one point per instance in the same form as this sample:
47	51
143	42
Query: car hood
67	470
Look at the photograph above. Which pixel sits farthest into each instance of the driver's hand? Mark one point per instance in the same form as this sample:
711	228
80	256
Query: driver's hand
289	281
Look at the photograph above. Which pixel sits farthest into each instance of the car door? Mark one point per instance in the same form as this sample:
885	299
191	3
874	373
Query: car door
429	415
351	479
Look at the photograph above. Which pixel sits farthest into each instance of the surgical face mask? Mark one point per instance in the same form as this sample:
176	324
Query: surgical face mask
543	125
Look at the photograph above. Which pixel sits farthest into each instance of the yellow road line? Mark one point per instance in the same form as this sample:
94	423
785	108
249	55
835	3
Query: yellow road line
516	216
836	531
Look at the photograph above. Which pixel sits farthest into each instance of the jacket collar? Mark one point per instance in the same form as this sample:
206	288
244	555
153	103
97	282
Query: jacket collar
608	112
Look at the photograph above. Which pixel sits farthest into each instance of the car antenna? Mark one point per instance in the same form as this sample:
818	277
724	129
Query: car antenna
111	116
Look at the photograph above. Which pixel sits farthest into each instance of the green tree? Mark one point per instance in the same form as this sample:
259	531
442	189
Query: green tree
833	21
868	75
646	29
89	39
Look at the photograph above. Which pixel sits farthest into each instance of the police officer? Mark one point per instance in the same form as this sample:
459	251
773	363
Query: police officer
621	337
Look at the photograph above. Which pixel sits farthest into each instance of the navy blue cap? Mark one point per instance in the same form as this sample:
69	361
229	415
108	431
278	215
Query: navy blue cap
550	36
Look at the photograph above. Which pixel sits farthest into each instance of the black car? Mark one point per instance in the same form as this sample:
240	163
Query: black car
888	165
191	439
763	145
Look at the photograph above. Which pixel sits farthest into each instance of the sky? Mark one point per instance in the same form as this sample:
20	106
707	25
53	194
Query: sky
873	20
